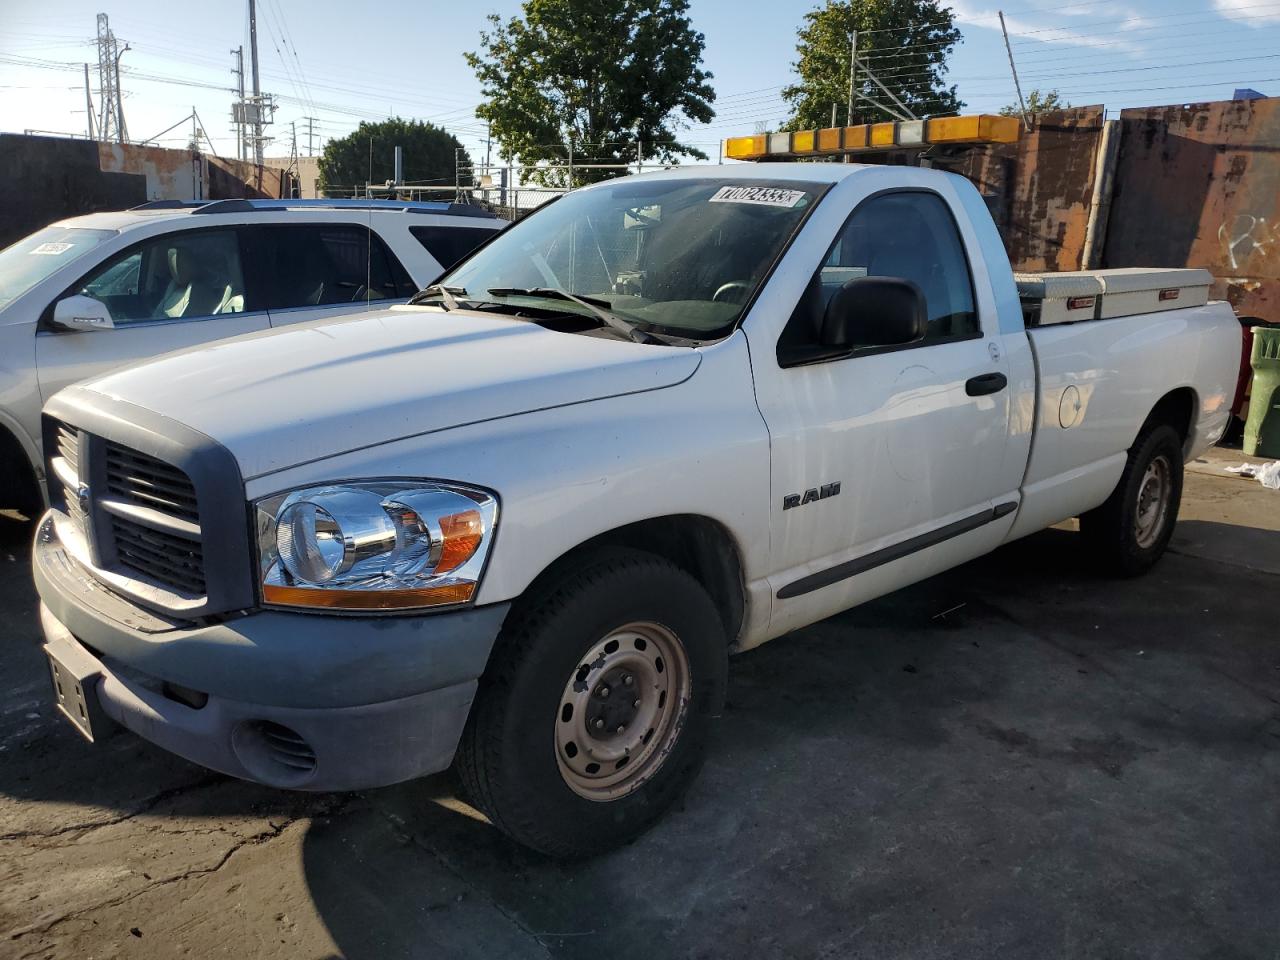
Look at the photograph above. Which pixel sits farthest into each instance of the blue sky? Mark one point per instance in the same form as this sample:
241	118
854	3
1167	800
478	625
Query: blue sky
340	64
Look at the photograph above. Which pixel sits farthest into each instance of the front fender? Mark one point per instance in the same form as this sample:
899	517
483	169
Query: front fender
567	475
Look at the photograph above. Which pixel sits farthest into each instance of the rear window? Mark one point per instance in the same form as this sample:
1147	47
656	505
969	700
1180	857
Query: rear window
450	244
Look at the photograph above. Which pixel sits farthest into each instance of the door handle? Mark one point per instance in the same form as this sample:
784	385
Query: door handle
984	384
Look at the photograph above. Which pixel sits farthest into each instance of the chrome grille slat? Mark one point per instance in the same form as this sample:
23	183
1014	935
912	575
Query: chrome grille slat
69	445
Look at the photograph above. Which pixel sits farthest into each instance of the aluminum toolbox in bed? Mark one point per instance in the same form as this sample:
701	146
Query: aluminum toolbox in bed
1049	298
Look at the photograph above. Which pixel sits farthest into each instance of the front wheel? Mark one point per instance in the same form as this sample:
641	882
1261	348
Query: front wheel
593	716
1130	531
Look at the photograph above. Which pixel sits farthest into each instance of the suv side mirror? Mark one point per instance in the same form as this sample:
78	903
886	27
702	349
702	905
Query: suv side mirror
874	312
82	313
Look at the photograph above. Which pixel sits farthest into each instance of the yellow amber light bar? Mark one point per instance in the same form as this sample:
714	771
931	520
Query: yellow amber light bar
976	129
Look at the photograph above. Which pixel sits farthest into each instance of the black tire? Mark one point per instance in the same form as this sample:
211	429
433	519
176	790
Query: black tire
1113	532
19	489
509	759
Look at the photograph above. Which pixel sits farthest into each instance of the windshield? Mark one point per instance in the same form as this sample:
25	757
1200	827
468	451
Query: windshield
674	255
27	262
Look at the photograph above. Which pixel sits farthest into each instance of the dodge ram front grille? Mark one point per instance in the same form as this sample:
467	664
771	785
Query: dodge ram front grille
136	493
149	482
173	560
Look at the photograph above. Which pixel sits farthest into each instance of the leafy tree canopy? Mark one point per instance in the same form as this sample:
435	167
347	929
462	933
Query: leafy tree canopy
1037	102
904	42
429	154
599	73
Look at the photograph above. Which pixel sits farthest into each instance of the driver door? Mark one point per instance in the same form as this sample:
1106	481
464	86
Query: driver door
165	293
888	463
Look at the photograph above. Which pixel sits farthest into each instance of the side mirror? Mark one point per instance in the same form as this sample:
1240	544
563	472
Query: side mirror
82	313
874	312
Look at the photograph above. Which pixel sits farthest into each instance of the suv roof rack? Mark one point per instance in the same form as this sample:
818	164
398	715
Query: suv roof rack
438	208
170	204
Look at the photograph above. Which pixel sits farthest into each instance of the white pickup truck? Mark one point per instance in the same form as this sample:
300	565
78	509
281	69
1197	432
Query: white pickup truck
519	524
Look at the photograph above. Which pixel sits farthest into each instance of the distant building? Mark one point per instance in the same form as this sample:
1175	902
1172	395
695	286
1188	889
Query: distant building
307	172
1245	93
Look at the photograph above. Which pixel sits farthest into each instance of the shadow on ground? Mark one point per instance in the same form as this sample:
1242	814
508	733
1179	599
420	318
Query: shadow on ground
1013	758
1016	757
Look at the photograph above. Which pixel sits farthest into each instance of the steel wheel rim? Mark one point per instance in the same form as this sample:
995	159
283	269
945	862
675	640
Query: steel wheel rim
1153	501
612	734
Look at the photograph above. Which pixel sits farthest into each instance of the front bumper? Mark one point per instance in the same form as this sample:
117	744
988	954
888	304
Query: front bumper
304	701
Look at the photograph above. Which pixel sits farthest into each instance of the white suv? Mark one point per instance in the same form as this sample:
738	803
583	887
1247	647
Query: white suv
107	289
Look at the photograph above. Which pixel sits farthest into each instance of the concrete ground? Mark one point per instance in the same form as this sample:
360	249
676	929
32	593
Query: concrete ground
1015	759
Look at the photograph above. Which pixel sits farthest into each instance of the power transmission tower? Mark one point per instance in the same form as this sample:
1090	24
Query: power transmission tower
111	106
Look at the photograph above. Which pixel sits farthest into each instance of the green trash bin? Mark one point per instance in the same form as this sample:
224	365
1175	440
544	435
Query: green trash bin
1262	429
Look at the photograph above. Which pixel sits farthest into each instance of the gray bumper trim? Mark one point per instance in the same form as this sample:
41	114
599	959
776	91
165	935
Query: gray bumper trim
354	748
283	659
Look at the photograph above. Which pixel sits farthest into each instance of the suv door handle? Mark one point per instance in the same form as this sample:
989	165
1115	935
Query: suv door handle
984	384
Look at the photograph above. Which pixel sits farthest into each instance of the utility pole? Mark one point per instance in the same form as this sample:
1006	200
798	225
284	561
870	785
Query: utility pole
1017	86
853	70
238	72
488	140
257	90
122	132
88	101
311	133
833	114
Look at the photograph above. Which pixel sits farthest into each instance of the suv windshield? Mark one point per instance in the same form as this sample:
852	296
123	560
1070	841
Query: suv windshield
30	260
680	256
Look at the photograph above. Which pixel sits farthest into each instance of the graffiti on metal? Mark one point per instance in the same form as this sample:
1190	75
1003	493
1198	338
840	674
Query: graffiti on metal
1199	185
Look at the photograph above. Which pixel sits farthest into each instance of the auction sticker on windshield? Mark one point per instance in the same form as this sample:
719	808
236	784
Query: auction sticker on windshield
51	249
769	196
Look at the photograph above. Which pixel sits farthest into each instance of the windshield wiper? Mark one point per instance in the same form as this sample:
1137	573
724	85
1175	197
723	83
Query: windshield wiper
446	294
594	304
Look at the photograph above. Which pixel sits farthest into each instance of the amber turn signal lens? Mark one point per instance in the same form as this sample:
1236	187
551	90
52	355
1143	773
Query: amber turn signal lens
462	533
368	599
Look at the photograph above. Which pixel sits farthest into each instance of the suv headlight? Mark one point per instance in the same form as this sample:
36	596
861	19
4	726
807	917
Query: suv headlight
374	545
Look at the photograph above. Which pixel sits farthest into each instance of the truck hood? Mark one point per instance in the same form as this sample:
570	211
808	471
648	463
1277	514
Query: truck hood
304	393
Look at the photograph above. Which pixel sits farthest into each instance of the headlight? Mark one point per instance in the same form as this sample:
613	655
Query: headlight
377	545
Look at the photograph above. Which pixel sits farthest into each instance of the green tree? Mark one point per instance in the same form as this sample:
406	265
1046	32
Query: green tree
905	43
430	153
602	74
1037	102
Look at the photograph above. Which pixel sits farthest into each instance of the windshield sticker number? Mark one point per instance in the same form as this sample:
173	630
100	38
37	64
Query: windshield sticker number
769	196
51	249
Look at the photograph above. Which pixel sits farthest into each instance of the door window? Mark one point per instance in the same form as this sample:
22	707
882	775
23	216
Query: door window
312	265
177	276
450	244
910	235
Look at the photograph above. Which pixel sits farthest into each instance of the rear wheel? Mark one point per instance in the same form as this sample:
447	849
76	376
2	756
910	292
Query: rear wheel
593	716
1131	530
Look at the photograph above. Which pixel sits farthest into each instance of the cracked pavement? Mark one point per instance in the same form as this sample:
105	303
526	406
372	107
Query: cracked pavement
1016	758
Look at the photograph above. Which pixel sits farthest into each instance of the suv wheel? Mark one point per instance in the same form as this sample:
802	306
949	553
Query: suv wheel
593	716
